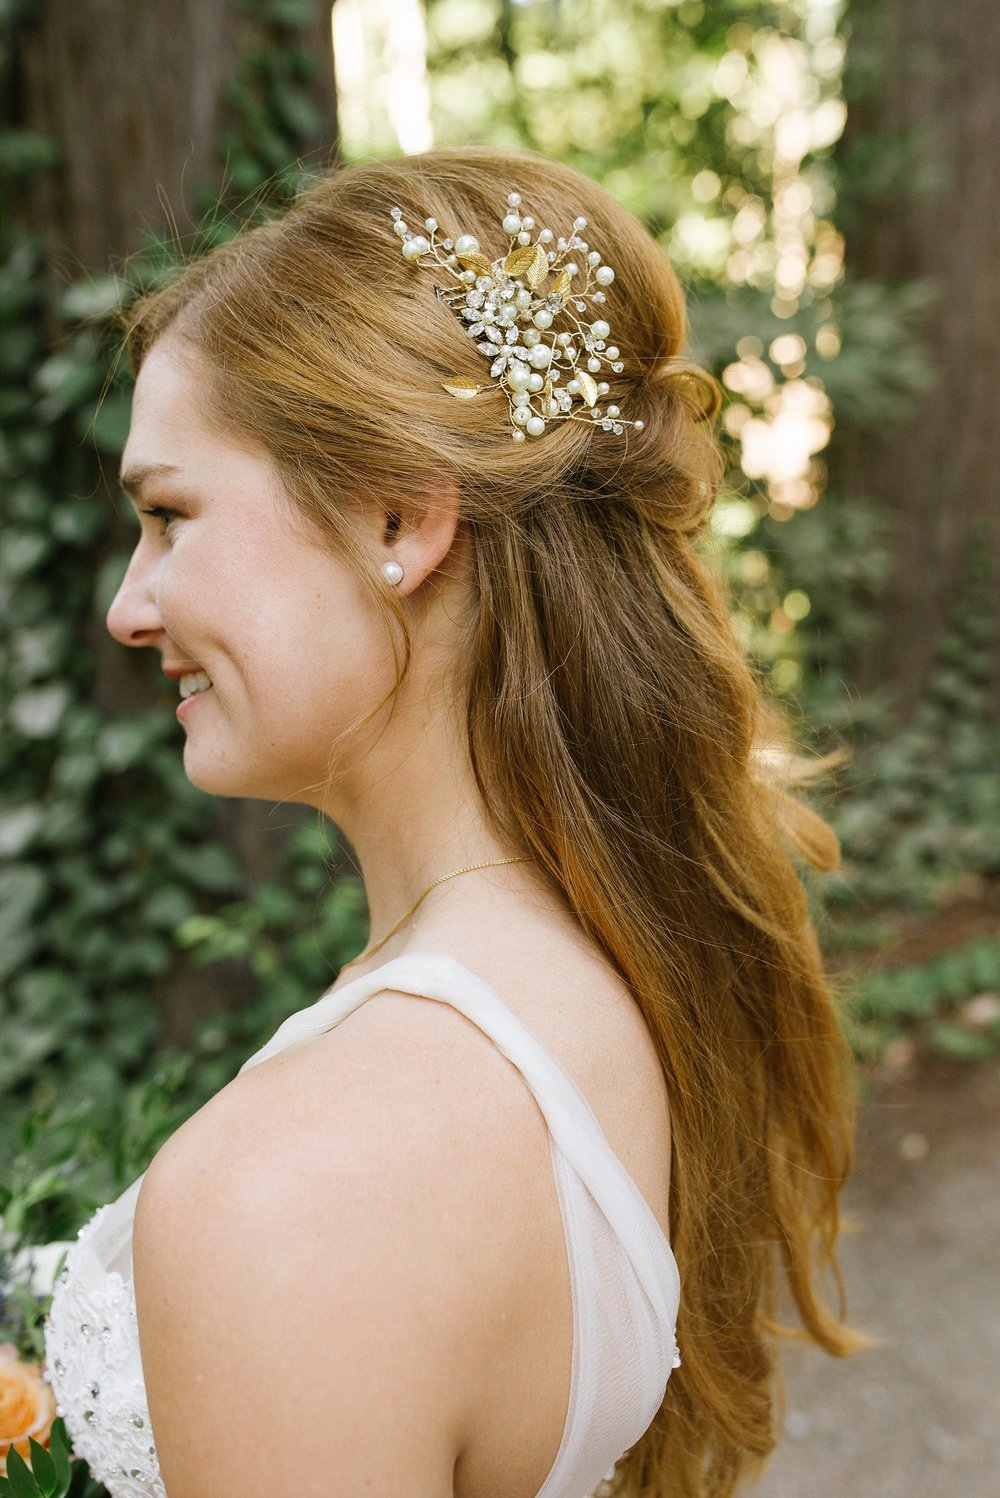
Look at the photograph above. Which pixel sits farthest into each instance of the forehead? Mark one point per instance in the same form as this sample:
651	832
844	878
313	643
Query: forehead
169	427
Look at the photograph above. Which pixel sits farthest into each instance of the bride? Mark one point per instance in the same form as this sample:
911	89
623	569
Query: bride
420	475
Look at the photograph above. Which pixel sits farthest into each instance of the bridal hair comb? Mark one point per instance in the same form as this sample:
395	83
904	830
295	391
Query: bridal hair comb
515	324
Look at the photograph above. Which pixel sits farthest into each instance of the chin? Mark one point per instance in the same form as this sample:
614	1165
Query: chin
237	782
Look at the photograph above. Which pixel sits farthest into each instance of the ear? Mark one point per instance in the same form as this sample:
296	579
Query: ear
420	536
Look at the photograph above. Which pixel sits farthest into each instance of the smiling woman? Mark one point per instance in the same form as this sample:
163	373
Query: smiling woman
505	1213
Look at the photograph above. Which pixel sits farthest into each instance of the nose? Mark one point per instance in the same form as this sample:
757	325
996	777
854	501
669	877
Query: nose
133	618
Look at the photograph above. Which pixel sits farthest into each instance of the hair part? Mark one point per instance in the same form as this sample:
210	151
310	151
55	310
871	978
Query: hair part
616	730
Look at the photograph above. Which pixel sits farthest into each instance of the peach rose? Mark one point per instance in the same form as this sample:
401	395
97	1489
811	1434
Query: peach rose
27	1405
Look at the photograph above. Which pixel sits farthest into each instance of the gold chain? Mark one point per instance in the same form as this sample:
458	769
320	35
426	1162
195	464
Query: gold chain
490	864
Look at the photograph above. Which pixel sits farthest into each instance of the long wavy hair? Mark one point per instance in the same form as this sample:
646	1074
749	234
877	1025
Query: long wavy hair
617	731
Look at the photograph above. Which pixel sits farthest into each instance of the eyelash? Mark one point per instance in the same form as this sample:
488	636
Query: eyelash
159	512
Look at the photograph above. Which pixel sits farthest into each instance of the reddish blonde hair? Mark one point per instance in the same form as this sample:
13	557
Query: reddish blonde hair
617	732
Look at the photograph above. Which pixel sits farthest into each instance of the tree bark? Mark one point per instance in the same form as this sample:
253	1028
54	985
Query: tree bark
133	96
938	471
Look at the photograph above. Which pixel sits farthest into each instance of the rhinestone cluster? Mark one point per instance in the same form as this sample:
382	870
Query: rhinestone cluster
512	321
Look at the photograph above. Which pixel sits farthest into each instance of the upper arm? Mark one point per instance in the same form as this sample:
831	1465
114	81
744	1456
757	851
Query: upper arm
309	1284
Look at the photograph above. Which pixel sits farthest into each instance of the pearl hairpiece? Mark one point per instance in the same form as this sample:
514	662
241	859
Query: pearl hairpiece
510	318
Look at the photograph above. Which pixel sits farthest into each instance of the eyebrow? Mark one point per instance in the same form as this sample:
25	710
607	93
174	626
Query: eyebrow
132	479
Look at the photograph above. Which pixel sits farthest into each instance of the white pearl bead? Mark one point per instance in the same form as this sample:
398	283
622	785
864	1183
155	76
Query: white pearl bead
594	258
400	228
600	329
414	248
605	276
613	411
521	415
536	426
524	237
603	387
573	386
513	199
430	224
545	236
509	311
611	351
518	375
638	425
593	365
565	339
542	318
521	398
523	298
540	357
511	223
579	223
571	268
530	337
528	222
517	436
466	244
535	382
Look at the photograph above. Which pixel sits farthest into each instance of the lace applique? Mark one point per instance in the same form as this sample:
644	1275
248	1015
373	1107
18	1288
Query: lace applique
94	1367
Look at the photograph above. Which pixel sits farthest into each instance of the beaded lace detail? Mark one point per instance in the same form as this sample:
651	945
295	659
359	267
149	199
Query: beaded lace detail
93	1365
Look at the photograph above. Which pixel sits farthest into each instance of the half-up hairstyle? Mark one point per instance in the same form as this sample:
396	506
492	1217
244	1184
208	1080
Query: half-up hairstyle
617	732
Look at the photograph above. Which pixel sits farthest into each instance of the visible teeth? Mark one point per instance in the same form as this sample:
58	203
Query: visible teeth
195	681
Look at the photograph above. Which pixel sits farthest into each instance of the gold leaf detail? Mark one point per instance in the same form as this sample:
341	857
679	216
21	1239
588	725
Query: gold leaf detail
588	386
563	282
538	271
476	262
528	261
460	387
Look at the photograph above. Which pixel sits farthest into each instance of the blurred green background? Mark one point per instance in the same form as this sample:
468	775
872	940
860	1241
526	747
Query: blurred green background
830	222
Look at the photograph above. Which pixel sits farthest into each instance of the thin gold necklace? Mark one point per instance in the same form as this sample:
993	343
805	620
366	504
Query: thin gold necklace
490	864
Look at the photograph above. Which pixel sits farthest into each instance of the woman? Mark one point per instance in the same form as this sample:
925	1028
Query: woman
418	543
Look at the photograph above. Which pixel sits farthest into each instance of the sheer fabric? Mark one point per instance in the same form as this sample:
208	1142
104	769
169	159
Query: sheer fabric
625	1283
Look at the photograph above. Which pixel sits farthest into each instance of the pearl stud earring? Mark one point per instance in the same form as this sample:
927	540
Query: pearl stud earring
392	572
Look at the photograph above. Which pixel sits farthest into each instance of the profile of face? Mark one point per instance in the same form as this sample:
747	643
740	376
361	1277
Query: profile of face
226	579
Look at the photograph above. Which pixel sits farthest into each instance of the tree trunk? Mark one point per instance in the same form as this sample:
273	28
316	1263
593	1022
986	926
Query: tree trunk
938	471
133	96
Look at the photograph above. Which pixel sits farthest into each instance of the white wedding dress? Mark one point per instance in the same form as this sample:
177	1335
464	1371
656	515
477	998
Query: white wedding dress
624	1278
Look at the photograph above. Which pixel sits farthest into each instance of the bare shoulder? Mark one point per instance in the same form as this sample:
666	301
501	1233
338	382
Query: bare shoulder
336	1233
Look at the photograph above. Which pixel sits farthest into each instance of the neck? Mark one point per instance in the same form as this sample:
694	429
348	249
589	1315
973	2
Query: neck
411	812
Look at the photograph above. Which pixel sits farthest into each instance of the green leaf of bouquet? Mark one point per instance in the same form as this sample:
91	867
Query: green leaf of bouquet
59	1451
22	1483
44	1468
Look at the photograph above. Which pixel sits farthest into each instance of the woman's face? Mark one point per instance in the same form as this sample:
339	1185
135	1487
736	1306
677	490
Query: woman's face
224	579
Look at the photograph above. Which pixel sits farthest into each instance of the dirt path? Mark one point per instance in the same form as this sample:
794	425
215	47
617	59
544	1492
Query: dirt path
920	1416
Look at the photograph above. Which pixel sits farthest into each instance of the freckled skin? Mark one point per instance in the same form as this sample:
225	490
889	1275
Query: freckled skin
293	646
